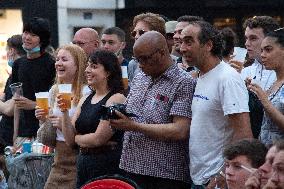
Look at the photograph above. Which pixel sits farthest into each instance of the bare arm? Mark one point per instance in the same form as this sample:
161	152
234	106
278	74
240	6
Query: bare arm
274	114
103	132
240	123
7	107
68	124
177	130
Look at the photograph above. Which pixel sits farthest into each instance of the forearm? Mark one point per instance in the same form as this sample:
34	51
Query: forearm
68	130
164	131
91	140
274	114
7	107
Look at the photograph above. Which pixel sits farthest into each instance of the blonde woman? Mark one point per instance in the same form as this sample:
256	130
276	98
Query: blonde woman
70	66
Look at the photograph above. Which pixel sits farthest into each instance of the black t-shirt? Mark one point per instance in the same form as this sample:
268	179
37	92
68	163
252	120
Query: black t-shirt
37	75
6	123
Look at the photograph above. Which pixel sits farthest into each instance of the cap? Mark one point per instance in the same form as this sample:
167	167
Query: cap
170	26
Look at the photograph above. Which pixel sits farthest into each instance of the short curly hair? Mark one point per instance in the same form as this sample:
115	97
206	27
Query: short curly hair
267	23
154	21
253	149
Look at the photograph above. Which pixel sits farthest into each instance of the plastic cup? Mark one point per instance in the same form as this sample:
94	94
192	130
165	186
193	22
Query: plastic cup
124	77
27	147
17	89
66	91
240	54
37	147
42	101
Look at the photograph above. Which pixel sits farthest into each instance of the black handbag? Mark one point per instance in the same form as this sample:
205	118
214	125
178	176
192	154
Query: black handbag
256	113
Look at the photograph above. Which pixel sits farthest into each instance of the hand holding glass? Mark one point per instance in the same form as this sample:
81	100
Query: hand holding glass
42	101
17	89
65	90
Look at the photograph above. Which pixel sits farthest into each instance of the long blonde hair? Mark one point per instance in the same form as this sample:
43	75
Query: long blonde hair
80	59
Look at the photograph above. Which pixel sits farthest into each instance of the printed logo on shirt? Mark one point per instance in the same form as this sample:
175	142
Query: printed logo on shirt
201	97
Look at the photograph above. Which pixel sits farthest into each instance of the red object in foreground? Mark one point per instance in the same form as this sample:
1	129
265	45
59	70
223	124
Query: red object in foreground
108	184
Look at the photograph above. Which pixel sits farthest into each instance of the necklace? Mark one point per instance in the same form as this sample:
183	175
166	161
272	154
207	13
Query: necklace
273	94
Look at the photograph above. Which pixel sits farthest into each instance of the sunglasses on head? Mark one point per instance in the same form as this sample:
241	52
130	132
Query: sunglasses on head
140	32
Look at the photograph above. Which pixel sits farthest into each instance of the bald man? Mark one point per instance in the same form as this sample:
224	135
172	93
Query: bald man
155	142
88	39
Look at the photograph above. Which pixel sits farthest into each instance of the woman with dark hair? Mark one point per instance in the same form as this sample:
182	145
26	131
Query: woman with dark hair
100	146
36	72
272	57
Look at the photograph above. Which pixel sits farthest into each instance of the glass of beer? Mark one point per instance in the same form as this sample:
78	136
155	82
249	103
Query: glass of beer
42	101
124	77
66	91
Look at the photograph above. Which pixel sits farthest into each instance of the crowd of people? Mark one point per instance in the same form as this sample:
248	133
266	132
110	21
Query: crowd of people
195	117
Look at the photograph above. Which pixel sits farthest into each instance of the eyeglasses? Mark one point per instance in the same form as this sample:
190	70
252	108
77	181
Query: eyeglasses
140	32
80	43
145	58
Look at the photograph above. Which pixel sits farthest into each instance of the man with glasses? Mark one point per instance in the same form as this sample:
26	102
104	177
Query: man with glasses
88	39
219	106
155	142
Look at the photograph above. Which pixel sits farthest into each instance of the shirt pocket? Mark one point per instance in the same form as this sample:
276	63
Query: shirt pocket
157	111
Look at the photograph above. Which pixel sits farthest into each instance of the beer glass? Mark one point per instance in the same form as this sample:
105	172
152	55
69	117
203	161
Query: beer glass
66	91
42	101
124	77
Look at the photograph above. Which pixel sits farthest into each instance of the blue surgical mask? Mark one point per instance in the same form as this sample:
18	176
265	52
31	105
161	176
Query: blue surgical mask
33	50
10	62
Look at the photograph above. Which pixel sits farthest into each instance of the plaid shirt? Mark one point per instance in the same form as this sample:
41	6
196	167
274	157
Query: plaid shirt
155	102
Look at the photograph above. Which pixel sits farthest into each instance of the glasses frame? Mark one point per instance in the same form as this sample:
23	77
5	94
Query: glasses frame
79	43
140	32
145	58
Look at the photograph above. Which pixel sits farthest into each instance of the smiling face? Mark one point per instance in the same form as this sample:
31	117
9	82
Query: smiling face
96	74
30	40
235	174
254	38
272	54
65	66
177	34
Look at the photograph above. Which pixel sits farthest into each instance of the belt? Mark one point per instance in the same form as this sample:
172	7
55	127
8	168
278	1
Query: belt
98	150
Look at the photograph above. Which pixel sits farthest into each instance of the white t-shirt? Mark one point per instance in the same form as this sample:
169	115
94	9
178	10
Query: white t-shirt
259	75
56	111
218	93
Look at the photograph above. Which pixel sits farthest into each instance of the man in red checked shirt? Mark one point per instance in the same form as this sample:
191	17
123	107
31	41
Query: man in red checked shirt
155	142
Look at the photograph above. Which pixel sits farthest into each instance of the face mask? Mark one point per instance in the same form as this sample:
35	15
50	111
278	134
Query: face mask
10	62
33	50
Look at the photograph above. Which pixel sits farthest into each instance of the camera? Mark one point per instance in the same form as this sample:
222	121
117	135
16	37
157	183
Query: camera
109	112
